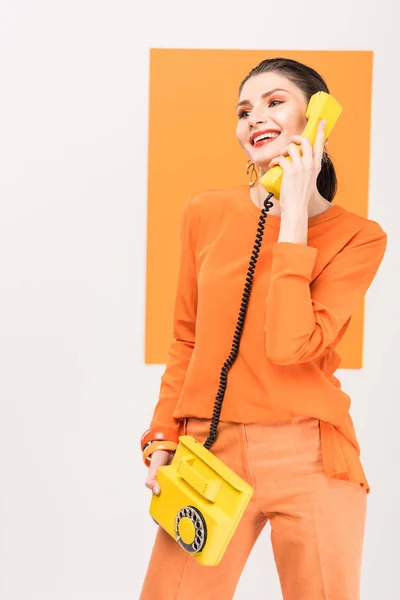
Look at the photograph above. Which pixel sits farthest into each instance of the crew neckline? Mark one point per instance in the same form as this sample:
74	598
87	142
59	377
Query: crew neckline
275	220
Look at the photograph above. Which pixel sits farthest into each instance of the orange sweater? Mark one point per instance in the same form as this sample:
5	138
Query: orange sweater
300	307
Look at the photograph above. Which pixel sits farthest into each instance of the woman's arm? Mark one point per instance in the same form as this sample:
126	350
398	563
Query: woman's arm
184	322
303	318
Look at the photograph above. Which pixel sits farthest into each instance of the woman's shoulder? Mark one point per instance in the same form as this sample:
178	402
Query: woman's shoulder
360	224
213	201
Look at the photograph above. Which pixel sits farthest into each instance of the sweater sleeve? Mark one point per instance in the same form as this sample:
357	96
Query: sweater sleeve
303	318
184	326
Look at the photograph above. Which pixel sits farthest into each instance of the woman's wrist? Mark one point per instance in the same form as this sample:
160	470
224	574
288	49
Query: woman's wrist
294	228
152	447
158	438
159	434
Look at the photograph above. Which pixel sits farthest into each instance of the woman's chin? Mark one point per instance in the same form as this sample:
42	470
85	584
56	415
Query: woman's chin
263	159
263	165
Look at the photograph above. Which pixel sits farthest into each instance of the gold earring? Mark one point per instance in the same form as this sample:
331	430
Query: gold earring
253	172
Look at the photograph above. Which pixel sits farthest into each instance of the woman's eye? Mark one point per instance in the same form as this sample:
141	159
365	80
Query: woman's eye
272	103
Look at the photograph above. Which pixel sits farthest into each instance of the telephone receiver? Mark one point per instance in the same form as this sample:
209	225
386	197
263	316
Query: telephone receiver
321	106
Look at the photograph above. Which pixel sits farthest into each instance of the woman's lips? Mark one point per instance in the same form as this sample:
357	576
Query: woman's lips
264	142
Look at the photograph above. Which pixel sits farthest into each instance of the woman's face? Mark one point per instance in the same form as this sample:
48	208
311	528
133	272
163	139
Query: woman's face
270	105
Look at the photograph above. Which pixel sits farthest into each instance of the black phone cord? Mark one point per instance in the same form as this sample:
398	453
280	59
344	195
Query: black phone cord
240	324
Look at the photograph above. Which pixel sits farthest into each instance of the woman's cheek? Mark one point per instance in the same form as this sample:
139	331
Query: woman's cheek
242	141
240	135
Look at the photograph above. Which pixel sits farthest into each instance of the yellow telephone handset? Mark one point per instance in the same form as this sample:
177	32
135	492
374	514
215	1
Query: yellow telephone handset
321	106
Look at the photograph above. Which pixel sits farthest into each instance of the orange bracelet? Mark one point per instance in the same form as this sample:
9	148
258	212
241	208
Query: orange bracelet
159	434
157	446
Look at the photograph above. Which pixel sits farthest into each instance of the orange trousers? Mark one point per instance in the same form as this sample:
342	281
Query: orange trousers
317	524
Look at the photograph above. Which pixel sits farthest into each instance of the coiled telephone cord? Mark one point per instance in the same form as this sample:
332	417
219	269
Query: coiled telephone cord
240	324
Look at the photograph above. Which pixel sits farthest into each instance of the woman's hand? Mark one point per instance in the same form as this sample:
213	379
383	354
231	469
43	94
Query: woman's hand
299	178
159	458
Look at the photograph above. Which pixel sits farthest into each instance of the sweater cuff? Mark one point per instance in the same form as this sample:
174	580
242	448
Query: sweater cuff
293	259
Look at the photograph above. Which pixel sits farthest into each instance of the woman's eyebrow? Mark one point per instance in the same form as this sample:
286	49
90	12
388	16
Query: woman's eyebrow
265	95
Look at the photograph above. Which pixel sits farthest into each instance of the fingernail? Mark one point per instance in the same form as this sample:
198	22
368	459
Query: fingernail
323	122
156	489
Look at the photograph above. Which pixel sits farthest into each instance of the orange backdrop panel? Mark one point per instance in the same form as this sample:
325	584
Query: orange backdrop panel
192	148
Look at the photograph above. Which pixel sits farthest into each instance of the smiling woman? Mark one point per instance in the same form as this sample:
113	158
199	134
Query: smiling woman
285	425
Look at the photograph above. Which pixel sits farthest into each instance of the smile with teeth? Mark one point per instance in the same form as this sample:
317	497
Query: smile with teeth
264	138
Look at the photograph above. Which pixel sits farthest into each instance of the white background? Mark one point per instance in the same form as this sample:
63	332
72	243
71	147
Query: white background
75	394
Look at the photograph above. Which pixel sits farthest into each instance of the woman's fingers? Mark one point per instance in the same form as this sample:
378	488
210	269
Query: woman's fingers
304	144
293	151
310	156
273	163
152	483
159	458
282	162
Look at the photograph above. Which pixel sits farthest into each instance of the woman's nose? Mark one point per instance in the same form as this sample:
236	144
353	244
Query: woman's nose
256	117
